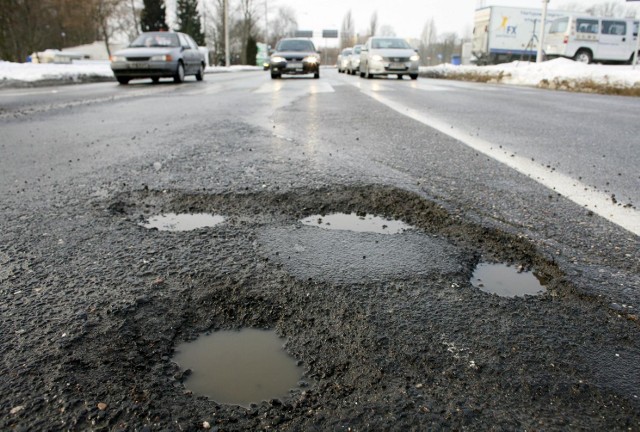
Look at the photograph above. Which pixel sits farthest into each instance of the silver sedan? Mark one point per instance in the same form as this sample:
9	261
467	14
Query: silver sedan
158	55
388	56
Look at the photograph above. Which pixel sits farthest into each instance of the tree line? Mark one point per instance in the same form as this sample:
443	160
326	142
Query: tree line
28	26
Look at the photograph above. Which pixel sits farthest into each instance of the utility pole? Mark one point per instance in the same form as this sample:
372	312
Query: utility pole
226	34
539	58
266	24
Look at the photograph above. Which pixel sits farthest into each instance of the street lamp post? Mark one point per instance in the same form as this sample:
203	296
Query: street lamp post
539	57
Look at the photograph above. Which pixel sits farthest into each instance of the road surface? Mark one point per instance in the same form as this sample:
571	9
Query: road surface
391	331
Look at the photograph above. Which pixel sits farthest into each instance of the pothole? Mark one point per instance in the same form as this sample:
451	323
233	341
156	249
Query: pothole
183	221
506	281
357	223
239	367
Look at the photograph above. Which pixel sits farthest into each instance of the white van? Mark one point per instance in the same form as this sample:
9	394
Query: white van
587	39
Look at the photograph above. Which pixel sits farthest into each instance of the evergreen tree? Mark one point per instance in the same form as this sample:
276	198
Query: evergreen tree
189	20
153	17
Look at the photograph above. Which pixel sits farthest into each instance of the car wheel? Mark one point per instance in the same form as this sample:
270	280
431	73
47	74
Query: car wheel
413	76
399	76
316	75
631	59
200	73
179	76
583	56
275	75
123	80
155	80
367	74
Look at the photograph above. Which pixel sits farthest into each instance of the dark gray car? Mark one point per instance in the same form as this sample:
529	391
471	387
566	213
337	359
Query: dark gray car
158	55
294	57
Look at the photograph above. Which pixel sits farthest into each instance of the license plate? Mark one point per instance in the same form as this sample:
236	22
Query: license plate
139	65
295	65
397	66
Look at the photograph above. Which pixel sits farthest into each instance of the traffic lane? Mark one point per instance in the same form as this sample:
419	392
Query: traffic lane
97	125
20	102
590	138
380	145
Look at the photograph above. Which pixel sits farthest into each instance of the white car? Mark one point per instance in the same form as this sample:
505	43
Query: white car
388	56
343	60
353	66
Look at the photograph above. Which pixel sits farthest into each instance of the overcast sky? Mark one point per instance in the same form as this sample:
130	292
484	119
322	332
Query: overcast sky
407	17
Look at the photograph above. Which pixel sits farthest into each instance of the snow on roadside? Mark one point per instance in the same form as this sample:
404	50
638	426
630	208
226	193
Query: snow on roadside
551	74
34	72
26	74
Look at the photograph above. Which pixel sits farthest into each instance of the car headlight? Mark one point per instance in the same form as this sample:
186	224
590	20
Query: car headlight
115	58
376	58
165	57
310	59
278	59
414	57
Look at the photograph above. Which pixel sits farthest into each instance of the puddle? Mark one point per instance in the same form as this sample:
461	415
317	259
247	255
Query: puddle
506	281
239	367
183	221
353	222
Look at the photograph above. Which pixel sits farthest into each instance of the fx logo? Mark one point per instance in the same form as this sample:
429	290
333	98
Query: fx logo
511	30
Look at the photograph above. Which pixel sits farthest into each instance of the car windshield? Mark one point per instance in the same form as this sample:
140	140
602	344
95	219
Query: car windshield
159	39
346	52
296	45
390	43
356	50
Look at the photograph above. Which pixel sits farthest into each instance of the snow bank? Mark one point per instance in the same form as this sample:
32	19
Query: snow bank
26	73
29	74
558	73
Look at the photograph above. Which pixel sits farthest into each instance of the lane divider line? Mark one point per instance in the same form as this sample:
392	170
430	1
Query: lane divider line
572	189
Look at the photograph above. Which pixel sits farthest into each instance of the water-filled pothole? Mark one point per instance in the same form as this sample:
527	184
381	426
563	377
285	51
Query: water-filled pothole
354	222
239	367
183	221
506	281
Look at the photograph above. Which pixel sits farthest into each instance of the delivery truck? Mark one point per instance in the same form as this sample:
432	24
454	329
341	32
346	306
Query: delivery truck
503	34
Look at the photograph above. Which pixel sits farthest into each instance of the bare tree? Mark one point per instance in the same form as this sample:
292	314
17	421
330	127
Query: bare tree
283	24
347	31
247	25
449	45
373	24
607	9
428	41
387	30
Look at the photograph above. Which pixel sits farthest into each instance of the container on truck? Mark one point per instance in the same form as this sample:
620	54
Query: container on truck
503	34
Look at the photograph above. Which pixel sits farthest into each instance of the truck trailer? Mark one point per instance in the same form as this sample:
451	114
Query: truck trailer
503	34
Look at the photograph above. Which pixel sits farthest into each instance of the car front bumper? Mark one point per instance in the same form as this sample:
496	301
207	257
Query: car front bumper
385	67
295	68
150	69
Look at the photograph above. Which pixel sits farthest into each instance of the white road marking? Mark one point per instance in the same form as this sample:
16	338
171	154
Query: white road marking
572	189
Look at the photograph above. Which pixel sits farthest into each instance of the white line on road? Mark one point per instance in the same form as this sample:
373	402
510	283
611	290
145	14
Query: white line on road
572	189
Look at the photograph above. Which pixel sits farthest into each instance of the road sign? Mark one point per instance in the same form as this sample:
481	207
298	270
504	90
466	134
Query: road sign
329	34
304	33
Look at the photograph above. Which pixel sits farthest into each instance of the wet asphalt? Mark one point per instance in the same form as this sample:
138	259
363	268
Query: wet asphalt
390	331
